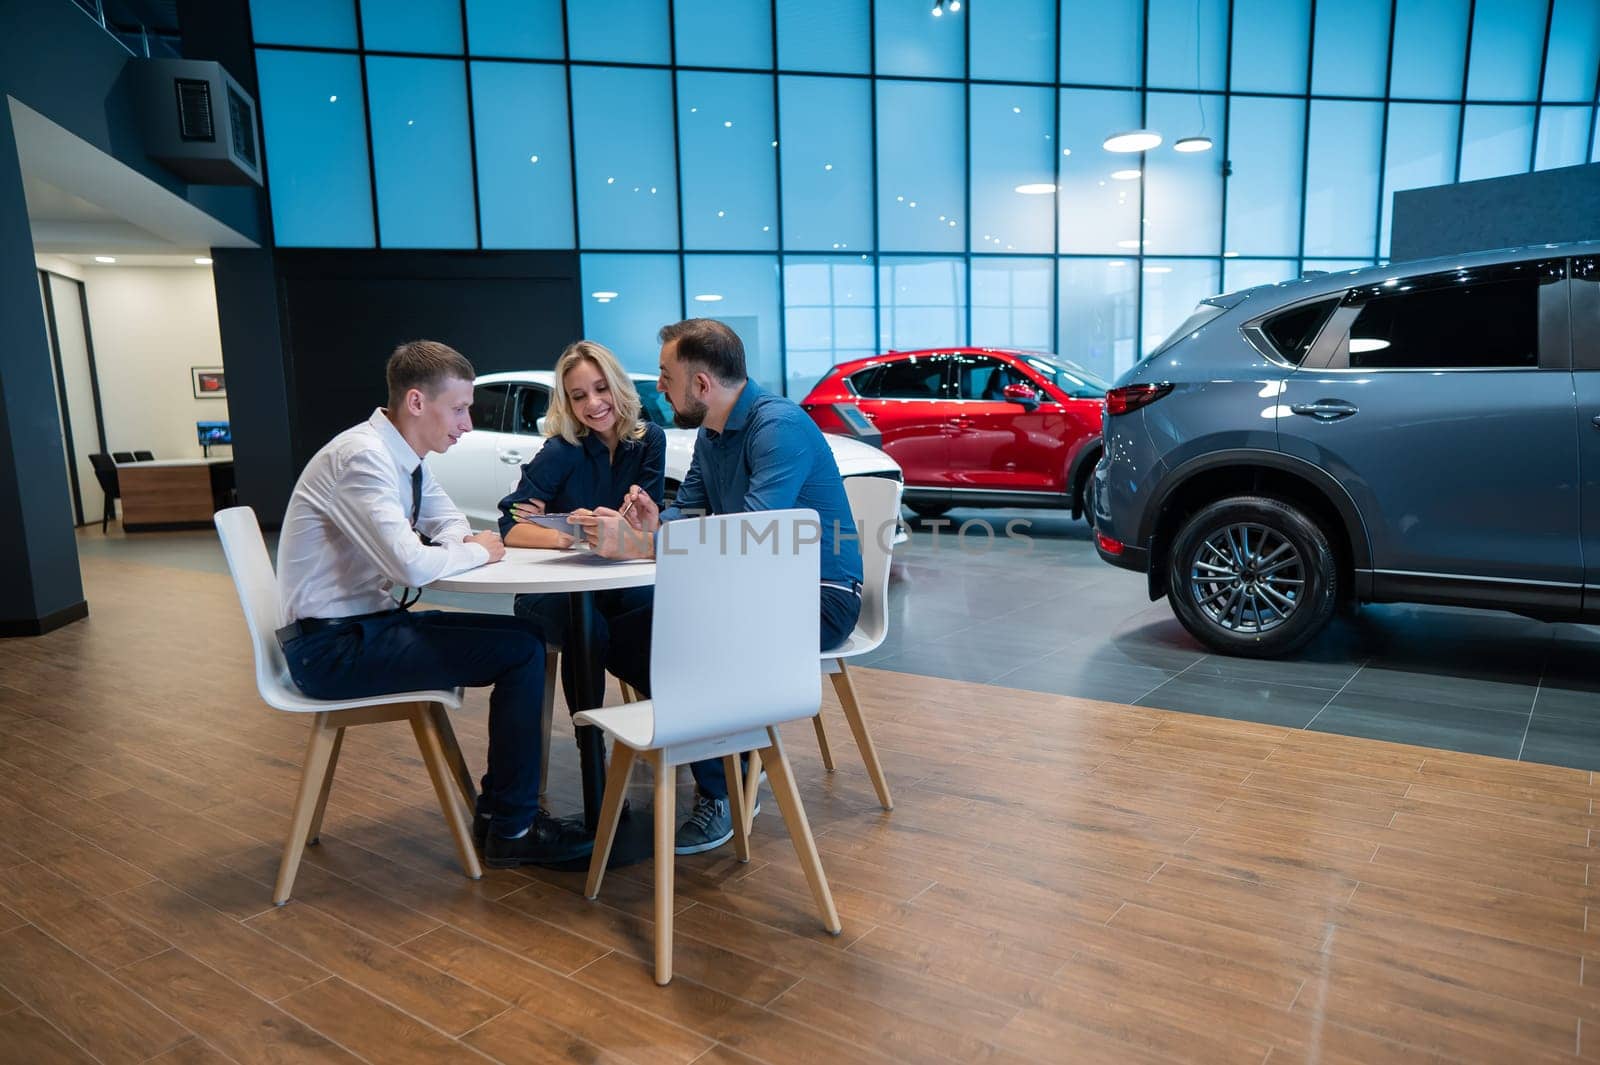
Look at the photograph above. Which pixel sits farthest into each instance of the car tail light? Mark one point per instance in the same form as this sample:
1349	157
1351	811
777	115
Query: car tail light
1107	544
1132	397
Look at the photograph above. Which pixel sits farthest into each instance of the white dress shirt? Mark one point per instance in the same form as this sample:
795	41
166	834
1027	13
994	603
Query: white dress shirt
347	537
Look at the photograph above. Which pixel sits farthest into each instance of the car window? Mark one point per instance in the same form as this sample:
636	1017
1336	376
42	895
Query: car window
913	378
489	406
865	382
1292	332
655	407
1491	324
983	378
532	402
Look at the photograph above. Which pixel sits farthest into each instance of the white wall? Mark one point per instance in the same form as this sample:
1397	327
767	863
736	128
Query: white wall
150	325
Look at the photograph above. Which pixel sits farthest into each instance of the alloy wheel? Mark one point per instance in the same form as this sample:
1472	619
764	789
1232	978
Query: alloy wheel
1247	578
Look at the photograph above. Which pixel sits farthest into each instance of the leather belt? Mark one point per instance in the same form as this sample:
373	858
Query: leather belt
306	626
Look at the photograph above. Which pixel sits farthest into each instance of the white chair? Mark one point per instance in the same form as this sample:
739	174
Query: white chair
426	710
875	507
731	658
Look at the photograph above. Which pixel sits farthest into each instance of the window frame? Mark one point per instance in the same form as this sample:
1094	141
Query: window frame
953	378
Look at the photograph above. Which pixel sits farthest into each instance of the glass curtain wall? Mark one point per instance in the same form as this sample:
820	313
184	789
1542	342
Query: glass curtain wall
839	177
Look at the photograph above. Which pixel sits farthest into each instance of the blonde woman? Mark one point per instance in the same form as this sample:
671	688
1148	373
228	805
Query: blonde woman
600	444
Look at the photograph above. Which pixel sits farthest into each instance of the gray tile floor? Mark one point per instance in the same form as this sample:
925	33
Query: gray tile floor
1042	612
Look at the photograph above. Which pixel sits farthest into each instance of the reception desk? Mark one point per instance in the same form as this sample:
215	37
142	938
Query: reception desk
173	493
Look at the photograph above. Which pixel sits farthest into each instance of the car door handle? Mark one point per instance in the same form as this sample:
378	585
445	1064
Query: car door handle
511	458
1326	410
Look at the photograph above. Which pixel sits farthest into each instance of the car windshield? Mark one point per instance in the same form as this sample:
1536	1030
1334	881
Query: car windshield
1066	375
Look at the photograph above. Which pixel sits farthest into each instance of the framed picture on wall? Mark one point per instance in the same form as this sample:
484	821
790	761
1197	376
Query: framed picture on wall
209	383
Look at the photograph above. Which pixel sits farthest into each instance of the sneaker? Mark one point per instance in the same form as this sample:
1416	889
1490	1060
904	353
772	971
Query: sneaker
708	827
550	841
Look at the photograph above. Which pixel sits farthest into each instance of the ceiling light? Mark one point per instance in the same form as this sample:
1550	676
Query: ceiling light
1361	345
533	158
1193	144
1036	188
1133	140
955	5
708	297
104	259
1158	269
1117	262
1066	151
201	260
1126	175
604	295
333	99
1230	255
938	8
1128	243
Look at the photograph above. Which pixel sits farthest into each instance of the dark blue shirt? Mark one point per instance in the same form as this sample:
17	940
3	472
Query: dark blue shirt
771	456
568	476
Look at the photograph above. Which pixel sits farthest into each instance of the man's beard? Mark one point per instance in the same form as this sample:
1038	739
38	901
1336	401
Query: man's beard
691	418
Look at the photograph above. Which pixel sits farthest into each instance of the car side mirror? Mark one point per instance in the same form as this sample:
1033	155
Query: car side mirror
1020	393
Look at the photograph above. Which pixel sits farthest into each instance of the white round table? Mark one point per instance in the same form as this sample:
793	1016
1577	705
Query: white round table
579	572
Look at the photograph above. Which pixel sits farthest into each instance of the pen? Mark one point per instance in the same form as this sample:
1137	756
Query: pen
627	505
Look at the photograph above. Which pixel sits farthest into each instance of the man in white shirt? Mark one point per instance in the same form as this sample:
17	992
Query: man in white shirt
367	518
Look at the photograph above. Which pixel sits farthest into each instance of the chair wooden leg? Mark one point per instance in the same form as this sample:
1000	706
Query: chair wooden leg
427	734
314	833
737	807
552	672
453	756
794	816
318	752
869	754
605	832
630	694
666	815
822	742
752	788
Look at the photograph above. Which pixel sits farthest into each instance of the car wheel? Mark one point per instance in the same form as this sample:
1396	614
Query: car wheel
1252	576
1085	500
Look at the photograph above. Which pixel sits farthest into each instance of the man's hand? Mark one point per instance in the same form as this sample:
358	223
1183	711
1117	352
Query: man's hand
640	510
490	541
612	536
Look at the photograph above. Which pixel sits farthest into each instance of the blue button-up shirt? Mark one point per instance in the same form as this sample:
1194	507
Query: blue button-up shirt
568	476
771	456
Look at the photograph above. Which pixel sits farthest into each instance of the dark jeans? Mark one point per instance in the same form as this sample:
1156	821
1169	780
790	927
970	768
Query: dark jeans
410	650
550	614
630	660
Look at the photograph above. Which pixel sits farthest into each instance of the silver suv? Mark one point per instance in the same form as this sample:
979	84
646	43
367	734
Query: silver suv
1422	432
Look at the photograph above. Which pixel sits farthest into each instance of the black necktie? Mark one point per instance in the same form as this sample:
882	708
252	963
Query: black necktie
409	597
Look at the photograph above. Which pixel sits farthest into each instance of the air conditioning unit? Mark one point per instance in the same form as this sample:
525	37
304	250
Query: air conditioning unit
198	122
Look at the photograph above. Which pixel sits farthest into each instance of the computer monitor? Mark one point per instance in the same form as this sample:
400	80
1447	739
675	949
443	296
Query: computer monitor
212	433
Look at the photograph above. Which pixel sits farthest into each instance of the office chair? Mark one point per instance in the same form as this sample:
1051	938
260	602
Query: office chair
105	471
144	456
122	456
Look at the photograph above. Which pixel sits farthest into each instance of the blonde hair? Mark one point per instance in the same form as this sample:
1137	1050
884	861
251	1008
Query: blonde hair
561	420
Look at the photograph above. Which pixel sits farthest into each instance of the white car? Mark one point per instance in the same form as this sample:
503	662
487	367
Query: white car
507	417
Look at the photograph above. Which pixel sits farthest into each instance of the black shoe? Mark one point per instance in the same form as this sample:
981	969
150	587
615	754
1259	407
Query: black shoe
550	841
480	830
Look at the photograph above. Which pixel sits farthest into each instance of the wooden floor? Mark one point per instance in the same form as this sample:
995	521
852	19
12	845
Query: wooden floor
1061	880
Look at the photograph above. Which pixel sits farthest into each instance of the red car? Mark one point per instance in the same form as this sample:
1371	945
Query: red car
987	427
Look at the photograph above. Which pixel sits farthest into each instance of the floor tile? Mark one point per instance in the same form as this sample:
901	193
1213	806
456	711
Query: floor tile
1401	720
1241	700
1563	741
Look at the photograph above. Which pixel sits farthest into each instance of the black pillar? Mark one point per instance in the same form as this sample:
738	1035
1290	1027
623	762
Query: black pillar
40	588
